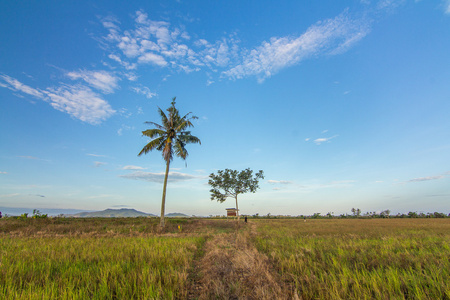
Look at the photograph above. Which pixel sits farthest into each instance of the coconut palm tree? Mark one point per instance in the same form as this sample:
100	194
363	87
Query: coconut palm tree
170	138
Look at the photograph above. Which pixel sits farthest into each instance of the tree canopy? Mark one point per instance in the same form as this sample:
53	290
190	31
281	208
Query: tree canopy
231	183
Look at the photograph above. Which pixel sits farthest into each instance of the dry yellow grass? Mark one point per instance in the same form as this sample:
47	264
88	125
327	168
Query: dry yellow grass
232	268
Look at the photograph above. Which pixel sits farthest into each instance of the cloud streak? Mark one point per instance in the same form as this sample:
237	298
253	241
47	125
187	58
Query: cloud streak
279	182
101	80
332	36
130	167
78	101
159	177
420	179
324	140
161	45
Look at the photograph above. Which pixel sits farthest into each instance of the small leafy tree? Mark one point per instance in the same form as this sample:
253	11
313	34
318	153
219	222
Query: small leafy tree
38	215
231	183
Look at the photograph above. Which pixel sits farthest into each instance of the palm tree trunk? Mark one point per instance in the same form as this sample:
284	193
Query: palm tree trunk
163	202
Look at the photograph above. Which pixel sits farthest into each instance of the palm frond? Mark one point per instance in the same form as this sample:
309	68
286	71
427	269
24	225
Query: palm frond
164	119
180	149
151	133
155	124
187	138
153	144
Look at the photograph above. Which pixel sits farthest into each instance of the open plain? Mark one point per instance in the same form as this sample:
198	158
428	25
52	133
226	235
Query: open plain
126	258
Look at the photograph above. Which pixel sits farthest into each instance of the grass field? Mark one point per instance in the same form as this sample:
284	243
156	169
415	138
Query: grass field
360	259
317	259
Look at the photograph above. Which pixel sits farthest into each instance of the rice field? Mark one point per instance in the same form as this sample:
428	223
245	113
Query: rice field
318	259
95	259
95	268
360	259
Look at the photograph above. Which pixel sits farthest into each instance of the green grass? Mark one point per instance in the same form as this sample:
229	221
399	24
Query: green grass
360	259
128	259
95	268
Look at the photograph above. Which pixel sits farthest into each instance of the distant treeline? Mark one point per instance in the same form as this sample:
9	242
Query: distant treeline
356	214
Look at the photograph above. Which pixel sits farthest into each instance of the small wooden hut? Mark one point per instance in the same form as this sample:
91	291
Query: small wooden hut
231	212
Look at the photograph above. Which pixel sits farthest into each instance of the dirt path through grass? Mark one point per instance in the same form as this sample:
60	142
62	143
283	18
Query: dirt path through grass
232	268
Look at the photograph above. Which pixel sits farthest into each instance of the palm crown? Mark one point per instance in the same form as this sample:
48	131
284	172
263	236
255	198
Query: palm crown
172	135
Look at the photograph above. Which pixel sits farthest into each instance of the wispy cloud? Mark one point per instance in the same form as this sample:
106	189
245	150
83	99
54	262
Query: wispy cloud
99	164
80	102
332	36
162	45
279	182
420	179
131	167
324	140
389	4
15	85
143	90
159	177
122	128
95	155
2	172
76	100
101	80
447	7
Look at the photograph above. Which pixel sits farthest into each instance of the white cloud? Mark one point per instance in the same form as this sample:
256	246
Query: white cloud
389	4
124	127
77	100
101	80
126	65
99	164
143	90
2	172
420	179
163	45
160	44
15	85
152	58
96	155
323	140
131	76
131	167
80	102
447	7
159	177
279	182
332	36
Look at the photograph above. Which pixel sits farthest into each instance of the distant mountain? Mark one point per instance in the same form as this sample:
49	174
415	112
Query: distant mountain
112	213
177	215
17	211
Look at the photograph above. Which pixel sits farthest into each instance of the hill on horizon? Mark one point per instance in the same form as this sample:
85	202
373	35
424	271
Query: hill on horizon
112	213
179	215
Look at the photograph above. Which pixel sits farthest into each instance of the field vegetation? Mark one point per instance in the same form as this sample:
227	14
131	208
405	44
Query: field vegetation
360	258
127	258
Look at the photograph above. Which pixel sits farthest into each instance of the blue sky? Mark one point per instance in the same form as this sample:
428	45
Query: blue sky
342	103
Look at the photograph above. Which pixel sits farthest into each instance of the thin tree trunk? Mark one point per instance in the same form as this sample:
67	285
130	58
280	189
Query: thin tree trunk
237	210
163	202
